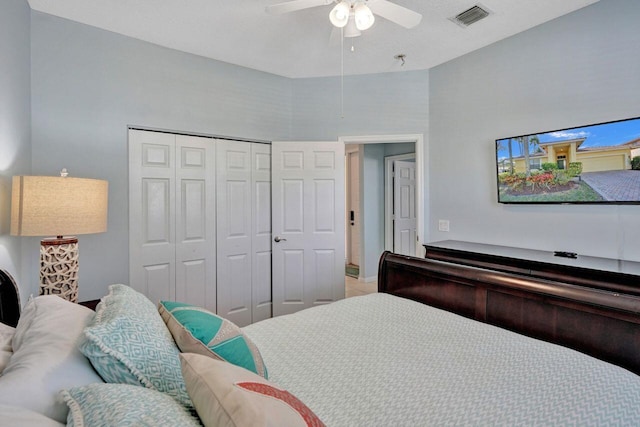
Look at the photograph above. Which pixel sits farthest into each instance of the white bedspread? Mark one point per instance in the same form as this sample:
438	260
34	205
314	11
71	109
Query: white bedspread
380	360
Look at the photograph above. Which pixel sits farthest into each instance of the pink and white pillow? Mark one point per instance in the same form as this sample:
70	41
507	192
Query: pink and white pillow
228	395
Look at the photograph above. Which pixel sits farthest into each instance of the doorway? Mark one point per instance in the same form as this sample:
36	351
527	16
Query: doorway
562	160
371	218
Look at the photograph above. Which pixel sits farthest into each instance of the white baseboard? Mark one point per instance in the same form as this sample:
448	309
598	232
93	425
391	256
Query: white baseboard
368	279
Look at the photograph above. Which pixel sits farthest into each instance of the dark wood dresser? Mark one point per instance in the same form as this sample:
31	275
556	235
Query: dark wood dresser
603	273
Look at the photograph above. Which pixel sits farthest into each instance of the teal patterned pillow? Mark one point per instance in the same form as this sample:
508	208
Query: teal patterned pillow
127	342
123	405
197	330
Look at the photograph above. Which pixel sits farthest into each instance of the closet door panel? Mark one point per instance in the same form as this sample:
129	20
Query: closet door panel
261	232
234	231
156	212
158	283
261	285
191	283
237	289
195	221
152	249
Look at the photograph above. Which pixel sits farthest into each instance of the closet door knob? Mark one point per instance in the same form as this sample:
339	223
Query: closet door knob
278	239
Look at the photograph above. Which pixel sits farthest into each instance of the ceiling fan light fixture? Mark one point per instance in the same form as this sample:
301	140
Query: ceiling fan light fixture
351	30
363	16
339	15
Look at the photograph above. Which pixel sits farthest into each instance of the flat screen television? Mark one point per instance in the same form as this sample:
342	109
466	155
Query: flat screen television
598	163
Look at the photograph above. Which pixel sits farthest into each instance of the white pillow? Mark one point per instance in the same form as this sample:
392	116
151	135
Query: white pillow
46	358
15	416
6	336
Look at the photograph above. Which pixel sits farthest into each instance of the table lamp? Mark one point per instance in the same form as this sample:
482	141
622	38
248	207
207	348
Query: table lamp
58	206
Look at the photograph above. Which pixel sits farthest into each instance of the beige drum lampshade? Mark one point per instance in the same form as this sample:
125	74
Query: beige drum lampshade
58	206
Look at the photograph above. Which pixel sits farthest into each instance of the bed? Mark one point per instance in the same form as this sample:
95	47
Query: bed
440	344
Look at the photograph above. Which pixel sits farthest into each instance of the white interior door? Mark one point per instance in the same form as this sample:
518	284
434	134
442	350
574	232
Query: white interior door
307	224
404	205
234	230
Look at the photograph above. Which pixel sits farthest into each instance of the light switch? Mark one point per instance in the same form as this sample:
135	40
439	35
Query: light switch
443	225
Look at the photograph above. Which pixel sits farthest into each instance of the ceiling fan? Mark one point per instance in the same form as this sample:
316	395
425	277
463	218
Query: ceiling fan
354	15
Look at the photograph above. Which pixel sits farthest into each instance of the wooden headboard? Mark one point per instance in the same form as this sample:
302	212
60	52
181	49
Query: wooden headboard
9	300
600	323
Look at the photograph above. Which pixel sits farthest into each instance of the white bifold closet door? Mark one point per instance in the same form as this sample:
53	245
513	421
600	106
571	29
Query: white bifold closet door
200	218
244	231
172	233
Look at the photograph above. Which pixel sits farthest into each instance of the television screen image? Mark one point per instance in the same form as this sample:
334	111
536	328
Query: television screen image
597	163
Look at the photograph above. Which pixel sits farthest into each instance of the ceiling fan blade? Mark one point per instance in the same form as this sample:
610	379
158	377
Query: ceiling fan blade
395	13
292	6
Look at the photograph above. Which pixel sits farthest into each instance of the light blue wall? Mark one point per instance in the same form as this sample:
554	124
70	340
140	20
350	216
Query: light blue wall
374	104
579	69
15	127
88	85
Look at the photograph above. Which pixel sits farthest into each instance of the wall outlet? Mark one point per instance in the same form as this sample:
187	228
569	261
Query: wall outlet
443	225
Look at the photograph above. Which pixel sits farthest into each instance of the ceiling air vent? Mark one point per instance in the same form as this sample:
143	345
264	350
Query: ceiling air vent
470	16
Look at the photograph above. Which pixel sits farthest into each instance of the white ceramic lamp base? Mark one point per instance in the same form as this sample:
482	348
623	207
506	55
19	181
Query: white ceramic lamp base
59	268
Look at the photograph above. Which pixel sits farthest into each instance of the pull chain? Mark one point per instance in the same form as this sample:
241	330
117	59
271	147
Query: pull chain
342	73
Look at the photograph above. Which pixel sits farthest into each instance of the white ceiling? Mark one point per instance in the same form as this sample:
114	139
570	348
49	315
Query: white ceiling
300	44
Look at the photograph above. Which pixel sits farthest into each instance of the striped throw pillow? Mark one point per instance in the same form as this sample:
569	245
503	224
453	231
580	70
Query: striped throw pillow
197	330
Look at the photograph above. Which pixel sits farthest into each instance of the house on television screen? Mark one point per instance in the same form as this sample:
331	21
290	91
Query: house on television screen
593	159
